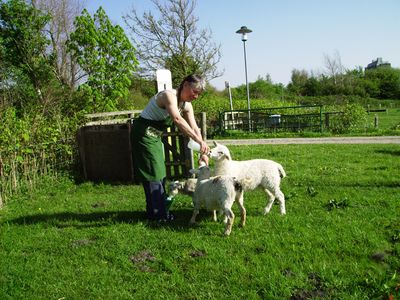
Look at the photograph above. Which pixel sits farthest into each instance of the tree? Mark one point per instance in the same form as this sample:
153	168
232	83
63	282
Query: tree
107	57
173	41
312	87
24	57
388	81
63	13
334	67
298	81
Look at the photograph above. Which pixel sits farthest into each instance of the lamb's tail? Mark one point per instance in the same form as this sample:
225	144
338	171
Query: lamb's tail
242	184
282	172
238	185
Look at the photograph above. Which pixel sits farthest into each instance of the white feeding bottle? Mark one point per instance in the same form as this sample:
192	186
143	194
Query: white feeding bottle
194	145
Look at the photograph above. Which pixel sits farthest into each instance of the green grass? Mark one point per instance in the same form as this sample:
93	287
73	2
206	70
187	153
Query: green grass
340	238
387	121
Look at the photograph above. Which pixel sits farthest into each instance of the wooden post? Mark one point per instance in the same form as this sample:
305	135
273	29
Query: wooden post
203	125
376	121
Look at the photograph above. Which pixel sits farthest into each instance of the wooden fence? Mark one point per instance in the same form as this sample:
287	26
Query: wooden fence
106	152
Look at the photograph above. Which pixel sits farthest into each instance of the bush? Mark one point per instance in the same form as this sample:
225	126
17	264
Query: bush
31	145
353	118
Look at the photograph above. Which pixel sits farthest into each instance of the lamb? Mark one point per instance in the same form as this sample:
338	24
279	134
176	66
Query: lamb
262	172
185	187
218	193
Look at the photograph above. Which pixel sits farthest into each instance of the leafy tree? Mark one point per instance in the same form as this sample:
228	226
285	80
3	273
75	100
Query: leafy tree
312	87
262	88
107	57
354	83
173	41
388	81
23	56
298	81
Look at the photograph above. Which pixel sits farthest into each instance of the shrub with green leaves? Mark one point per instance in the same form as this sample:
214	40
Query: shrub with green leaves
352	118
33	144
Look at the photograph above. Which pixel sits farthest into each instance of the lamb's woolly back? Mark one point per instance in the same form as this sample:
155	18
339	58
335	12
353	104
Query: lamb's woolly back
256	169
261	172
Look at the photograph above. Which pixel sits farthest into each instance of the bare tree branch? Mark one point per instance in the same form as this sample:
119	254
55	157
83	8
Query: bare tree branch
172	39
63	13
334	66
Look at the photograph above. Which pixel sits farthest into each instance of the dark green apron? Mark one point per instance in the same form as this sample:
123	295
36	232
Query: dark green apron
147	149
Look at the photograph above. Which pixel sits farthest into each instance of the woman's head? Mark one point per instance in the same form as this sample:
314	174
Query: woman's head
191	87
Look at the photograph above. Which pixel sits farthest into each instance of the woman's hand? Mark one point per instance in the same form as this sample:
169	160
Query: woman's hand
203	158
204	149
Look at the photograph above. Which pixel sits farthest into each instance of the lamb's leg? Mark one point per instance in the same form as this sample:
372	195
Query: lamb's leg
196	210
225	220
231	217
270	201
281	198
242	209
193	219
214	215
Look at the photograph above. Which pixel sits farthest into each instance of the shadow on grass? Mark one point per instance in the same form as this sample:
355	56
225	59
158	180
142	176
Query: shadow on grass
99	219
389	152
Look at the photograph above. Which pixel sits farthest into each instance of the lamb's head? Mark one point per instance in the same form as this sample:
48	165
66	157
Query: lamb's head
220	152
175	187
203	172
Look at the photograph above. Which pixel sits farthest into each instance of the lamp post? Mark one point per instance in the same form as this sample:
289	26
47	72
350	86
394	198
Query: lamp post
244	31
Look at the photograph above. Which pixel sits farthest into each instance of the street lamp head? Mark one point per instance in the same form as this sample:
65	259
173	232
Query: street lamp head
244	31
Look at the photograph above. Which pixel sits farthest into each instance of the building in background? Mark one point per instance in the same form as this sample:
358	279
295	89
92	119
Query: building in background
378	63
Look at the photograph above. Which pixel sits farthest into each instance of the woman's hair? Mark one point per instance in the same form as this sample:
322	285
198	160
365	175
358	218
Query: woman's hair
195	81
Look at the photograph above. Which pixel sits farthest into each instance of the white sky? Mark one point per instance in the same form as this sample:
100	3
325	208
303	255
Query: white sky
288	34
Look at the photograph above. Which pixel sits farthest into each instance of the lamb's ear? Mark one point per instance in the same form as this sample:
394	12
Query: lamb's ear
215	143
228	156
225	152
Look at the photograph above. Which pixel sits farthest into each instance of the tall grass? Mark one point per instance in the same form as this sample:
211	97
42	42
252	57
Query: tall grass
340	238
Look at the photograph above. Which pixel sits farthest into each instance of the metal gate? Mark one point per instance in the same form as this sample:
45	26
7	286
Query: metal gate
274	119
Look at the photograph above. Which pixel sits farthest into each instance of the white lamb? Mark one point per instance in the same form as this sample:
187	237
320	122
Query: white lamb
218	193
262	172
185	187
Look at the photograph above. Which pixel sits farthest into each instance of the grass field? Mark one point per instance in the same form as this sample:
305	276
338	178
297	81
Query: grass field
388	121
340	238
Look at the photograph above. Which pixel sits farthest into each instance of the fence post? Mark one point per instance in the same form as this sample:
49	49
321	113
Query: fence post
326	120
203	125
320	119
376	121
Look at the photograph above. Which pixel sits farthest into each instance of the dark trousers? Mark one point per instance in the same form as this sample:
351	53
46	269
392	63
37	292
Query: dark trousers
155	199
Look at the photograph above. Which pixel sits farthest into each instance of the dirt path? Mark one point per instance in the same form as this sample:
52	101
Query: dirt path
323	140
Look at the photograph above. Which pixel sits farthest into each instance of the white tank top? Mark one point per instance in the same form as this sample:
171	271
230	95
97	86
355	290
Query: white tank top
153	112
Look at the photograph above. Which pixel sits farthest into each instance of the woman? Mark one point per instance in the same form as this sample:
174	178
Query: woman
164	108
